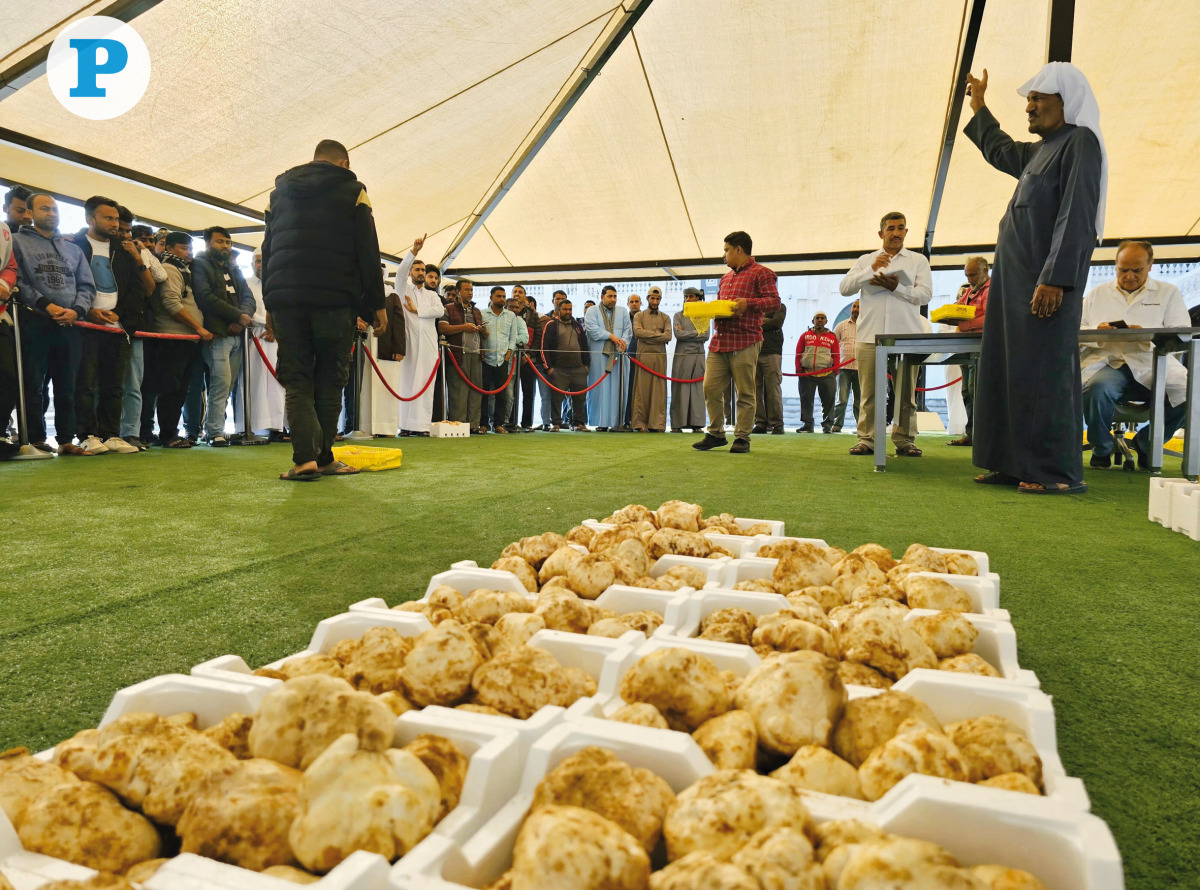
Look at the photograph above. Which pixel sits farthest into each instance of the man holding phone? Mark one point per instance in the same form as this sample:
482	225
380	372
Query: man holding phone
1119	371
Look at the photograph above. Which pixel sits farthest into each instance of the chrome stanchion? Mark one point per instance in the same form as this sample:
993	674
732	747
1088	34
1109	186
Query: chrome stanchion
248	437
622	397
360	339
27	451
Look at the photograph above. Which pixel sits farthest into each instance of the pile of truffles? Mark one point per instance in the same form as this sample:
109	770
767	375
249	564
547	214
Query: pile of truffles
270	792
598	823
790	718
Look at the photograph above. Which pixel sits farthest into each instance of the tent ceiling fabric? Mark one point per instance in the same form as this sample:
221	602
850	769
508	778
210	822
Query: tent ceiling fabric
798	122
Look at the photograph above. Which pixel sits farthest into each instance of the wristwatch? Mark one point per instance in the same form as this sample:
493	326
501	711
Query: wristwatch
142	267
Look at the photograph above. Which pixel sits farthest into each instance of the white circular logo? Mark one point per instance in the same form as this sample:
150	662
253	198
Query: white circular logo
98	67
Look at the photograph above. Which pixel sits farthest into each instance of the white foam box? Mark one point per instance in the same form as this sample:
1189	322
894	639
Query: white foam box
1185	510
465	576
713	569
951	696
1161	494
776	524
1065	848
760	541
996	643
448	429
329	632
984	591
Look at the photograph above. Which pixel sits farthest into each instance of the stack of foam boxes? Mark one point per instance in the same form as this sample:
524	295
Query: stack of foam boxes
1053	836
1175	504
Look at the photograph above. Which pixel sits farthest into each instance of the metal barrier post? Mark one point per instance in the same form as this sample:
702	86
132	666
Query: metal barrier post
27	451
361	342
248	437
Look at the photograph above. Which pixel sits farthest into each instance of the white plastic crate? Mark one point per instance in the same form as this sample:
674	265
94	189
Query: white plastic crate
984	591
1161	498
1065	848
760	541
448	429
996	643
713	569
951	696
1185	510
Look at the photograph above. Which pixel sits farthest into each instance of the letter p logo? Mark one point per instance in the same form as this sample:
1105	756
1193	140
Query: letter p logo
90	67
98	67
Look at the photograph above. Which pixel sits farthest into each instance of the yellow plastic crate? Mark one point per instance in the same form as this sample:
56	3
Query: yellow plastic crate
702	313
952	312
365	457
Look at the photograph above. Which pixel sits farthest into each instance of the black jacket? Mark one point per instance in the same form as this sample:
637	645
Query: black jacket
773	331
208	284
320	250
132	303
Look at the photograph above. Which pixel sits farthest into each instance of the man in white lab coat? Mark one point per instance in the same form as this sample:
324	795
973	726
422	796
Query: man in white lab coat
1118	371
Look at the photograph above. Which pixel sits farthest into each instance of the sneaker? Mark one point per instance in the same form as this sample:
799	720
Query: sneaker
70	449
740	446
1101	461
218	442
119	446
709	442
92	445
136	442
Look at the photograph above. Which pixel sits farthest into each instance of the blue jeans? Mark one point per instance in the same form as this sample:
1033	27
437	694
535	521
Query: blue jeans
544	397
131	392
223	357
1103	391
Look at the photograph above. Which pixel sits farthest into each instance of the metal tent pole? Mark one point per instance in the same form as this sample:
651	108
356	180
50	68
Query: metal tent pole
249	437
27	451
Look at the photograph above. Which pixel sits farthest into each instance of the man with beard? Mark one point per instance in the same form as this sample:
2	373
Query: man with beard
652	329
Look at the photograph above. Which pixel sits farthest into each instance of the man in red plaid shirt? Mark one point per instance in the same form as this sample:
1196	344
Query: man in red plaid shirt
733	350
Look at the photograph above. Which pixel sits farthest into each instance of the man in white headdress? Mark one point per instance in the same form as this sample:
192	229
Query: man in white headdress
266	395
1028	399
422	308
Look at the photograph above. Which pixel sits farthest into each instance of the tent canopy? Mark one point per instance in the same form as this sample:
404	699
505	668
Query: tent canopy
468	120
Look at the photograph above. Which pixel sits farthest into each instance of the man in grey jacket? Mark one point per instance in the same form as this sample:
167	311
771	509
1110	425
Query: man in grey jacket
55	284
228	306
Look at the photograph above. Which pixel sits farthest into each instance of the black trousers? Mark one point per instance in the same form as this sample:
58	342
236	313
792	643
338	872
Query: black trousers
528	391
810	386
51	352
969	371
169	366
98	390
8	375
573	379
313	367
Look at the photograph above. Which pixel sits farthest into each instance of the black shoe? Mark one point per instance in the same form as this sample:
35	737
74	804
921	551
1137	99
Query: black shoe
708	443
135	442
759	429
42	446
740	446
805	429
1101	461
836	429
1143	457
777	431
825	429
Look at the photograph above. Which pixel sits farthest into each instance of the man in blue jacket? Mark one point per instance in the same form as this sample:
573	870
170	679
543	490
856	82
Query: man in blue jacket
54	282
228	306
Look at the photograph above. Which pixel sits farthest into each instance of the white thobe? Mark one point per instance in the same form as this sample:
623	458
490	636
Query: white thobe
420	335
266	394
1157	305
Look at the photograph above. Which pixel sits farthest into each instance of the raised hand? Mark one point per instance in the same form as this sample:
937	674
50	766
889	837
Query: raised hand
976	87
418	243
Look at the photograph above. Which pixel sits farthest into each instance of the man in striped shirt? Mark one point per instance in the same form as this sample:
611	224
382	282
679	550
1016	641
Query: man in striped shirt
733	351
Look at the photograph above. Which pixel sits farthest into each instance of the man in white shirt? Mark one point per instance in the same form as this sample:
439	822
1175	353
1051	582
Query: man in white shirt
1117	371
893	283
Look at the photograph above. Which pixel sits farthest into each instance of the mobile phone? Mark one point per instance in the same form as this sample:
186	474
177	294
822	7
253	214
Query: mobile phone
1118	324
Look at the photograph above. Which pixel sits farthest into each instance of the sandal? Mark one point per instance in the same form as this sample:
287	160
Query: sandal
860	448
998	479
1052	488
179	443
340	468
964	441
908	451
306	476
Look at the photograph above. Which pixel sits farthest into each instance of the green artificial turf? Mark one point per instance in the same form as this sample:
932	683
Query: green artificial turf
120	568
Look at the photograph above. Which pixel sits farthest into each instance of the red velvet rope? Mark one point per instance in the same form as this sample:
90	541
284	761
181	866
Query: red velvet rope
141	335
266	361
567	392
933	388
664	376
823	371
485	392
396	395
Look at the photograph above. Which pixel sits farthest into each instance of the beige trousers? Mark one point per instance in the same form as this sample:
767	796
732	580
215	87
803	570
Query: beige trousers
719	370
904	427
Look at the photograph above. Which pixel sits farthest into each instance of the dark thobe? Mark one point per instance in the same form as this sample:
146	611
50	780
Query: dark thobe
1028	396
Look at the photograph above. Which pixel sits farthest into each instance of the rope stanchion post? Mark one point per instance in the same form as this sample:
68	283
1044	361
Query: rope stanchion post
248	437
27	451
358	435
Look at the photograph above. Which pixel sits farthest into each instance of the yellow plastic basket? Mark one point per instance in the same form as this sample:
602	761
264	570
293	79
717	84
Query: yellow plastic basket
364	457
952	312
702	313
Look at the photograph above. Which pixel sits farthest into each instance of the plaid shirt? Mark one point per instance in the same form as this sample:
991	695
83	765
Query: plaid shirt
756	285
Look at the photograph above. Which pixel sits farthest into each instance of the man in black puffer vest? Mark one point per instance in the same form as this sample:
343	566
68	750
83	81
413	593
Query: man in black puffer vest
320	260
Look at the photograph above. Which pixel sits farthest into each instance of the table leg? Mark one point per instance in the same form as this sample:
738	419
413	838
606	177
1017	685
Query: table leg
1191	435
881	358
1158	390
